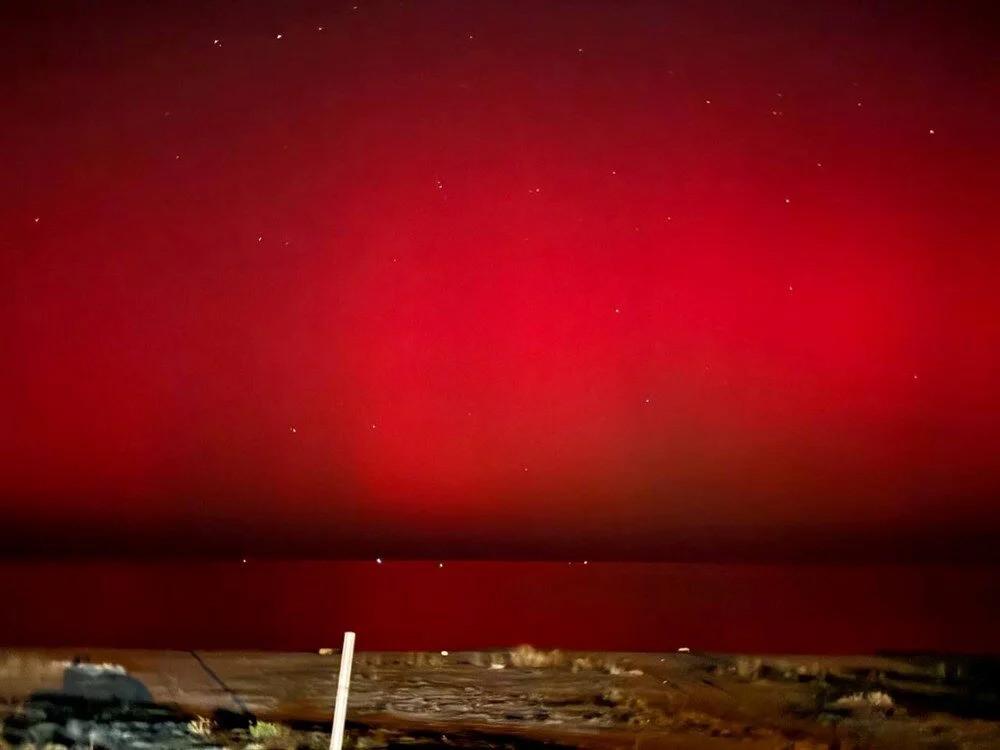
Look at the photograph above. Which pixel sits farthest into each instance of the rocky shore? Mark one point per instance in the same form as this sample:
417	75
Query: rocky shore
518	699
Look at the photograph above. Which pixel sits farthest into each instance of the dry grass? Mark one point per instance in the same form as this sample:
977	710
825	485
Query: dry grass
267	730
201	725
875	701
529	657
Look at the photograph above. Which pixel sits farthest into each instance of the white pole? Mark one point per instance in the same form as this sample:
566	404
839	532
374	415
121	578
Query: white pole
343	685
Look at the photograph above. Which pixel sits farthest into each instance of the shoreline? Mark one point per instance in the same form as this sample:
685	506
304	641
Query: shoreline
590	700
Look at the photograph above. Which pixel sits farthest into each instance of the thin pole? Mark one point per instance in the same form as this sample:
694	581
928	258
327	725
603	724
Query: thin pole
343	685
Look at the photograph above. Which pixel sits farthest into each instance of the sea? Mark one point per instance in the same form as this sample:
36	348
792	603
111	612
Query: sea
304	605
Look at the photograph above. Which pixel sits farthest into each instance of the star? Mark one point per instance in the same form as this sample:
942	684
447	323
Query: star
440	564
292	429
647	400
378	560
788	200
931	131
586	562
790	289
319	28
38	219
244	561
373	425
217	42
278	36
618	311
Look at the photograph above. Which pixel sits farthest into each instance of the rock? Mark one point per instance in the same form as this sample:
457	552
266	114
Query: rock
105	683
227	720
16	729
43	733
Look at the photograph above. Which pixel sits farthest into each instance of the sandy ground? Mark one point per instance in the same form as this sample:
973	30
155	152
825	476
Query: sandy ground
522	697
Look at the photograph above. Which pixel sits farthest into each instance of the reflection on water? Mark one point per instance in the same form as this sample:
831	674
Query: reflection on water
472	605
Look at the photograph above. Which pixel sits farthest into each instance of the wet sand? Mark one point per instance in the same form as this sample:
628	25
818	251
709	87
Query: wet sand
591	700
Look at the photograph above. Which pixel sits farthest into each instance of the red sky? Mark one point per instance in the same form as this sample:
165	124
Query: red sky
502	280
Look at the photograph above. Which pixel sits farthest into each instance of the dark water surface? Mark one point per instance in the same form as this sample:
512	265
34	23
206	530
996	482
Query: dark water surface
471	605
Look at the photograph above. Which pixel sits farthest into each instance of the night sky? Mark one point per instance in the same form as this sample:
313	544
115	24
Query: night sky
614	280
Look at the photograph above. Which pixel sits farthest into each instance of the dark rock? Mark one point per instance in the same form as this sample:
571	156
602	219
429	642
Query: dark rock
227	720
56	707
100	683
16	729
43	733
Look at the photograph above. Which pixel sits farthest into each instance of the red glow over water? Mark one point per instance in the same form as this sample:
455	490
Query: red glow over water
473	605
